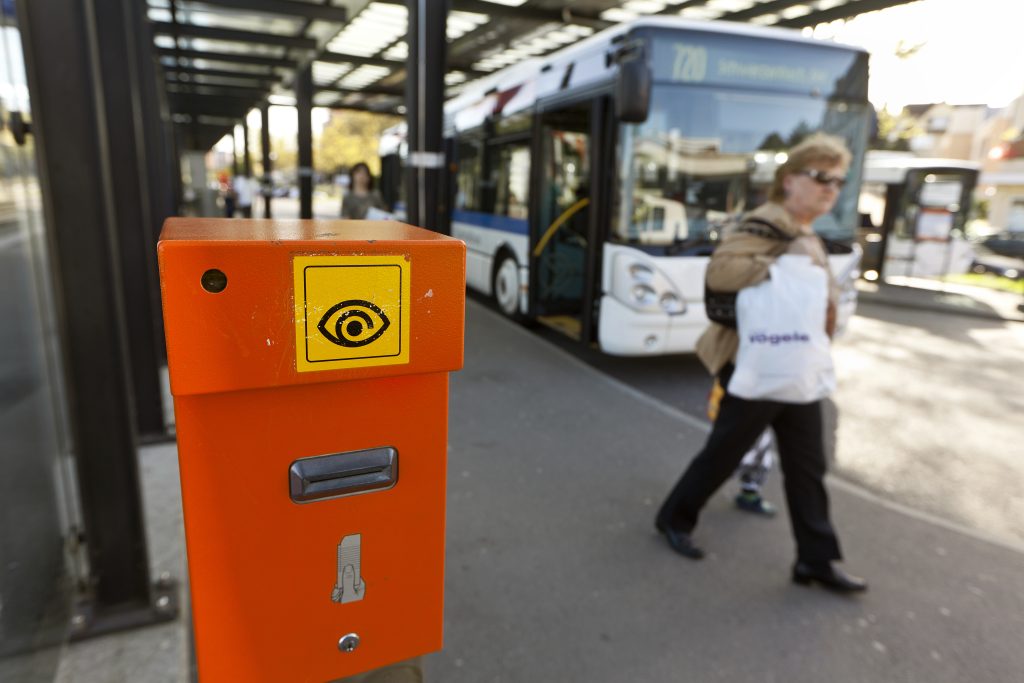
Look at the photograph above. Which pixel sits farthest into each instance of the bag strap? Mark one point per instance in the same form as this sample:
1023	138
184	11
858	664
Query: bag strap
762	228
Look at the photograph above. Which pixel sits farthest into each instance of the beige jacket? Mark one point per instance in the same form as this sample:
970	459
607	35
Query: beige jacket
742	260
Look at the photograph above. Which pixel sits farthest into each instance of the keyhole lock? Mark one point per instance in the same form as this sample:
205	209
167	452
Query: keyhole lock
349	643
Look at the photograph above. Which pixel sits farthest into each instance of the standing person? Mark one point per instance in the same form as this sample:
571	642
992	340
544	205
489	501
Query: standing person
242	185
806	187
227	193
360	195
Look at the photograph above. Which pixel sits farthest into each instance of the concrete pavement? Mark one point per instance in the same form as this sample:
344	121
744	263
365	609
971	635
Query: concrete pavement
935	295
555	573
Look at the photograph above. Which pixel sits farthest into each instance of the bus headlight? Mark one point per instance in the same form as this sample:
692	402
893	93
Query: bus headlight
644	295
641	272
642	286
671	303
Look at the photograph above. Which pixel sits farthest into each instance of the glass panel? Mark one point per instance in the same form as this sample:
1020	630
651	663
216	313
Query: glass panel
706	154
937	205
467	179
561	243
512	181
34	597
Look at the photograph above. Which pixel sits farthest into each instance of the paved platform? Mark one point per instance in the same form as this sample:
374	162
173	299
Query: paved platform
555	573
944	297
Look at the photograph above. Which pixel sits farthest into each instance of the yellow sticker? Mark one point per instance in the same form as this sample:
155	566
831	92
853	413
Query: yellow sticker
351	311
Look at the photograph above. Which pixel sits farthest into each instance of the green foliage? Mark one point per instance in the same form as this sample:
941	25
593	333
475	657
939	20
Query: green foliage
773	142
980	208
350	137
989	281
798	135
895	132
285	154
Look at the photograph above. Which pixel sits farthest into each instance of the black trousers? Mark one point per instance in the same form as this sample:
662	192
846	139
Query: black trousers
800	436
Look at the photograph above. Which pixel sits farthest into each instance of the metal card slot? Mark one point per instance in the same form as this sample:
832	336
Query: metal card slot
342	474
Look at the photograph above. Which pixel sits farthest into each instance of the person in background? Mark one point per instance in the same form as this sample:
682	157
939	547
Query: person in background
755	466
805	188
360	196
227	193
243	187
753	472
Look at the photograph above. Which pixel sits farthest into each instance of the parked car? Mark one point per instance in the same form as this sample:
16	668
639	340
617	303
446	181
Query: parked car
1009	243
998	265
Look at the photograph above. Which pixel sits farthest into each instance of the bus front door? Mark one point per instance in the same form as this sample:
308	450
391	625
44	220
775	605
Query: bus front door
560	235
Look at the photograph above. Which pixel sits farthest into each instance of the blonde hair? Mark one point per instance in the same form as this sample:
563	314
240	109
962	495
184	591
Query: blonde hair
815	149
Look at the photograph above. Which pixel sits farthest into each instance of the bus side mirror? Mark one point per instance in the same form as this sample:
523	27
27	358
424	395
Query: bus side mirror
633	85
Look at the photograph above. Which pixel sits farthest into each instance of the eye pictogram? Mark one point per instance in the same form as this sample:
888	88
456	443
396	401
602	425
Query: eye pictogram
355	326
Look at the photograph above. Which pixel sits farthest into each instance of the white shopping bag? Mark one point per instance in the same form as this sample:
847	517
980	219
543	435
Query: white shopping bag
785	353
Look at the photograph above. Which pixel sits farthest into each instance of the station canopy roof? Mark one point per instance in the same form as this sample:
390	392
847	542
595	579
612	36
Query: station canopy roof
220	58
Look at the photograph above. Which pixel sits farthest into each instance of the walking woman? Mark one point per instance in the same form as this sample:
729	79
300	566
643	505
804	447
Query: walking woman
806	187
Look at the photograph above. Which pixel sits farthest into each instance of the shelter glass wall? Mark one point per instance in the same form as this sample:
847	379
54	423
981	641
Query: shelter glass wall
34	585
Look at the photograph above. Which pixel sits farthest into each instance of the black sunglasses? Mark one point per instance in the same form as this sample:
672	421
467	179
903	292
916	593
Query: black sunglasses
823	178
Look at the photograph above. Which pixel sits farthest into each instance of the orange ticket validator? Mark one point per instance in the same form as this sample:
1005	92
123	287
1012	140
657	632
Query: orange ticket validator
309	365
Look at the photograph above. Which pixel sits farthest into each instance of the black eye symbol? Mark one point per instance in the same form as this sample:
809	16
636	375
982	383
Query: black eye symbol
354	327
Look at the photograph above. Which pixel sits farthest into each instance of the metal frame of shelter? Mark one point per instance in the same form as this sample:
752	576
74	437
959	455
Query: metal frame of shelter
222	58
119	88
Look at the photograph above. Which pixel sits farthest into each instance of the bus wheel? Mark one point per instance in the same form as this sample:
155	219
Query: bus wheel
506	286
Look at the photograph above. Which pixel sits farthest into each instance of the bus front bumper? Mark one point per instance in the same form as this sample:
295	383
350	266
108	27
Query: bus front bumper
623	331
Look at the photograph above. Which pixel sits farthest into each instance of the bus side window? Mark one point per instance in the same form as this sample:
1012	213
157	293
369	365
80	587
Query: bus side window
511	175
467	196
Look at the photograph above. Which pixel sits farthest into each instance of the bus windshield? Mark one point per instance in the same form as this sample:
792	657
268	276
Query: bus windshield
707	154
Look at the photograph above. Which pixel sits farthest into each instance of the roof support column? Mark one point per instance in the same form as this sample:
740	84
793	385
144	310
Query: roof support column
304	103
266	182
119	27
246	158
424	98
236	165
159	158
89	169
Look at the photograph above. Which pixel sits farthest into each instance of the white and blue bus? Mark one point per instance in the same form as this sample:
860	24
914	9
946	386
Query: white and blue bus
591	185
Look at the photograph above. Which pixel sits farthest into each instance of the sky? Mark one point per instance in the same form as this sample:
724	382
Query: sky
970	53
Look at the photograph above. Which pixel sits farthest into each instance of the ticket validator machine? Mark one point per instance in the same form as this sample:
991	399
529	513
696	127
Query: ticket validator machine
309	365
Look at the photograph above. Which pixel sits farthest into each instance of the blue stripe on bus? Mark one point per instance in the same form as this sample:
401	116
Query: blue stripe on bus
519	226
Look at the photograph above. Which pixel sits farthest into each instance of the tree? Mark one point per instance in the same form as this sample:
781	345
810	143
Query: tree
350	137
285	153
773	142
895	132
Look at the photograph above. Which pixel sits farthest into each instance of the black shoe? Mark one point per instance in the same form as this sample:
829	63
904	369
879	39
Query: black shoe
680	541
829	576
753	502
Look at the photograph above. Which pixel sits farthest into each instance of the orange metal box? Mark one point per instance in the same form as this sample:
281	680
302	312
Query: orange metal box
309	366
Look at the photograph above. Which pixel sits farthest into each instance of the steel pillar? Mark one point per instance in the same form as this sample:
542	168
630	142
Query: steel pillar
73	118
120	82
236	166
424	97
246	158
304	104
267	182
160	160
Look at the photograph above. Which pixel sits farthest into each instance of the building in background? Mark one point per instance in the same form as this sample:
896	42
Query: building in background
1001	150
992	137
